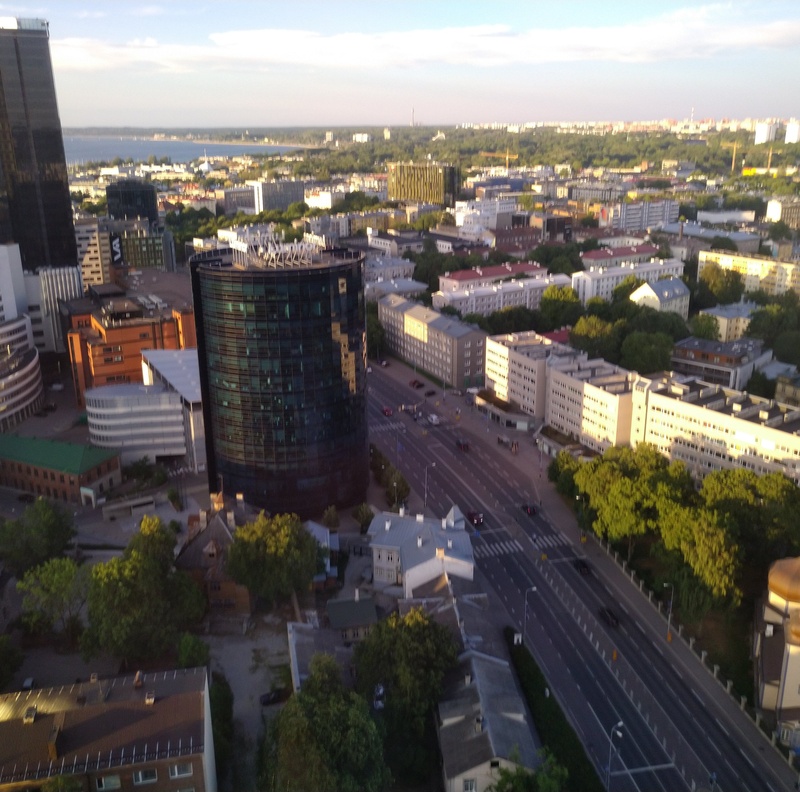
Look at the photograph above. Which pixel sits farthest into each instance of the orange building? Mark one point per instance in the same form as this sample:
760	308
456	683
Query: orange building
105	345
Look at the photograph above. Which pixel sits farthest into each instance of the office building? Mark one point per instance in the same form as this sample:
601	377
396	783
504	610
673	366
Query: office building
639	215
107	336
428	182
730	363
35	207
516	369
269	195
44	291
132	199
145	729
441	346
758	272
787	210
601	281
281	337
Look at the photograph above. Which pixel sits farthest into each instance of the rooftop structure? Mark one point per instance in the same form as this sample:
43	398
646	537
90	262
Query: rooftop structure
117	733
728	363
613	256
486	276
668	295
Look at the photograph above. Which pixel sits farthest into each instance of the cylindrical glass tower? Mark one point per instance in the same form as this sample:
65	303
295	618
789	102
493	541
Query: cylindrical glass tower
282	353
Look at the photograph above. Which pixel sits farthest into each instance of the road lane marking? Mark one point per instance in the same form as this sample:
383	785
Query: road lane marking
721	726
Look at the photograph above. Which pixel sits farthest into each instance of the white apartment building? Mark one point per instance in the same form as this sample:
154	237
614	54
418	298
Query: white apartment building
601	281
591	402
765	132
491	213
619	254
486	276
484	300
387	268
733	319
639	215
792	132
516	368
441	346
670	295
709	427
758	272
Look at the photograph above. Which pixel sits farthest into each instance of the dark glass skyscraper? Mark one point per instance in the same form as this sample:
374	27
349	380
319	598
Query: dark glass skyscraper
283	376
35	208
132	198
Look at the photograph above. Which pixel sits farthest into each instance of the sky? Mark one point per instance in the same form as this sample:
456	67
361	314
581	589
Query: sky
270	63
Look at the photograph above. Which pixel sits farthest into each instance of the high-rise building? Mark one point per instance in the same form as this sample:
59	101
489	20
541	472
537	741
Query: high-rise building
281	339
429	182
129	199
35	208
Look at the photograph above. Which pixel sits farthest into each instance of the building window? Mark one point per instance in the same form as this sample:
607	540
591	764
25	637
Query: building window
108	782
470	785
149	776
181	770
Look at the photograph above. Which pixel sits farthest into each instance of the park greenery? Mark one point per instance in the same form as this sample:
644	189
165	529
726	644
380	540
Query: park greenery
396	487
274	557
139	604
719	540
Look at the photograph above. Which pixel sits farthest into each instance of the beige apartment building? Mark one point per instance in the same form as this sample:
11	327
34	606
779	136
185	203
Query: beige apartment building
441	346
733	319
516	368
709	427
600	281
758	272
591	402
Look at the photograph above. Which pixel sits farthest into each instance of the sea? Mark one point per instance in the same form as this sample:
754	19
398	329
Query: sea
91	148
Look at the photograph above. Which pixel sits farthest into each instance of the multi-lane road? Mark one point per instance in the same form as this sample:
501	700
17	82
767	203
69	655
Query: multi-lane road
675	735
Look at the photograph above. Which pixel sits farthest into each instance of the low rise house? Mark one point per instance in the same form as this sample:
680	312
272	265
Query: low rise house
352	618
670	295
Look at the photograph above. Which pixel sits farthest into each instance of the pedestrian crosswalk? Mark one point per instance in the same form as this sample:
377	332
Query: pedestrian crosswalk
513	546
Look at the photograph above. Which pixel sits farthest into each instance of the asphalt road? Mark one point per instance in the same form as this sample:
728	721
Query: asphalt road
674	733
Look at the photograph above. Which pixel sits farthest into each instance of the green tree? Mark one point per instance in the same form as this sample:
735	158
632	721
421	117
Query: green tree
626	288
726	285
325	739
330	517
760	385
409	655
62	783
376	335
787	347
53	594
363	515
138	604
779	231
220	698
549	776
42	532
273	556
705	326
559	307
192	651
720	242
646	353
596	337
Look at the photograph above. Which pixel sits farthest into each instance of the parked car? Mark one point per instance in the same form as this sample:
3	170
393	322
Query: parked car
476	518
388	412
462	445
433	419
29	684
415	383
430	392
609	617
529	509
26	497
582	567
385	363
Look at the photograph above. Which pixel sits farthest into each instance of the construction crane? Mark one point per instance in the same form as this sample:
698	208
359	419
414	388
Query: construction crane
734	146
507	156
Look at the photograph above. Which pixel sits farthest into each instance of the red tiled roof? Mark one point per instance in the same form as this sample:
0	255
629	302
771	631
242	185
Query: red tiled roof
499	271
559	336
605	254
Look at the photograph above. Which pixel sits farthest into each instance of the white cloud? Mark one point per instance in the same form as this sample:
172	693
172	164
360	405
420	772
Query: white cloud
689	33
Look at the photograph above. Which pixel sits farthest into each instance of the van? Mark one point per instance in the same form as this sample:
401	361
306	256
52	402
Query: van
433	419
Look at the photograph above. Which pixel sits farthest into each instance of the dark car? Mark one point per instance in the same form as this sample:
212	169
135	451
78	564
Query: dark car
463	445
430	392
419	385
582	567
529	509
387	411
609	617
476	518
413	383
26	497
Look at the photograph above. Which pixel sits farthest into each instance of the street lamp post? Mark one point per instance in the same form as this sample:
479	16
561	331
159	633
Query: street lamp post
615	730
669	610
425	499
525	615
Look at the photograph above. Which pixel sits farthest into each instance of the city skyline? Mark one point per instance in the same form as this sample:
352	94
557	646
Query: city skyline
345	63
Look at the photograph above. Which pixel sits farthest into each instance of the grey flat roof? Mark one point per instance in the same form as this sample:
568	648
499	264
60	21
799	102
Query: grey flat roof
178	367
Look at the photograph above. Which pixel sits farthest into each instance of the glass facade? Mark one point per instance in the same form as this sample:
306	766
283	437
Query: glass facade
283	376
131	198
35	208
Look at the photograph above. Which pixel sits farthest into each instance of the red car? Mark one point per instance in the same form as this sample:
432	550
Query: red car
387	411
